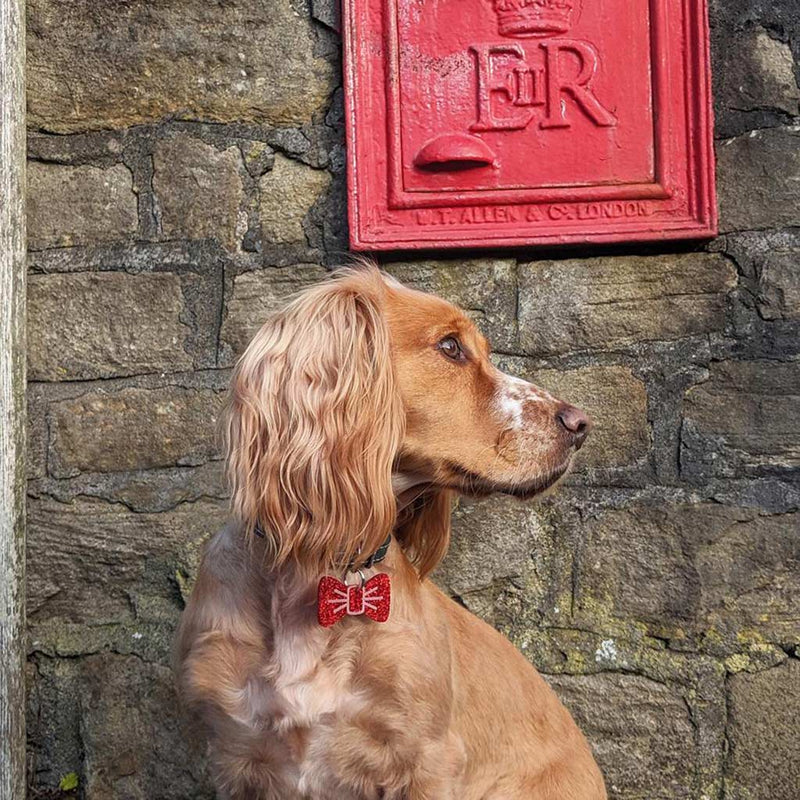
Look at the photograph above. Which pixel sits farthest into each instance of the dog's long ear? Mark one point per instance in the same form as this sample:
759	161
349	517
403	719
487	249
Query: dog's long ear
313	424
423	529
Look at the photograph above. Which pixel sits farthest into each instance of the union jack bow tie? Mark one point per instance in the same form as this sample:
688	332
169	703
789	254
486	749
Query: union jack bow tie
336	599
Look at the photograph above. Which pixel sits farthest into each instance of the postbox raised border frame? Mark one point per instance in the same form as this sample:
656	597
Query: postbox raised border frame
375	203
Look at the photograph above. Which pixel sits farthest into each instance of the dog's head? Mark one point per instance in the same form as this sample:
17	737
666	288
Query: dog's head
362	389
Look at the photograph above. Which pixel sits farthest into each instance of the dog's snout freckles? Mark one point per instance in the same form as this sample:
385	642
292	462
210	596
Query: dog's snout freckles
525	407
513	395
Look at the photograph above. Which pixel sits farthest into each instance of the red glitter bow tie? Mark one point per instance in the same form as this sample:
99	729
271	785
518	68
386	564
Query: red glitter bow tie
336	599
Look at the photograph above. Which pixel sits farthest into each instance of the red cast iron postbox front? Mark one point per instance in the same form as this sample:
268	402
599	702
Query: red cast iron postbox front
481	123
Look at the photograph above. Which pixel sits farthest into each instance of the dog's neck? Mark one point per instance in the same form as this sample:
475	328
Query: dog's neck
408	486
403	481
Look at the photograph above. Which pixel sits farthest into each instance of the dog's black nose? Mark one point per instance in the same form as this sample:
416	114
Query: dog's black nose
576	423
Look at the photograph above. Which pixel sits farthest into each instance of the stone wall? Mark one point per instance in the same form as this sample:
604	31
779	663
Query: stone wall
186	173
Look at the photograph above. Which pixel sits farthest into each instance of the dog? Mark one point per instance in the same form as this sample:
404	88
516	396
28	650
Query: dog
355	416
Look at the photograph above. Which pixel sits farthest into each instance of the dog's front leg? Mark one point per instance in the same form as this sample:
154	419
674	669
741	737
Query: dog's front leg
440	772
379	758
247	776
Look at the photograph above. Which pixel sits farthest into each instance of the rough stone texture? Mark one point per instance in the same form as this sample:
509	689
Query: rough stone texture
699	572
123	757
768	262
743	418
79	205
126	740
764	758
104	431
196	180
617	403
54	746
104	325
327	12
494	541
614	398
574	305
140	490
288	192
779	295
643	733
254	297
758	176
761	76
753	76
199	190
486	289
103	579
141	62
100	563
778	86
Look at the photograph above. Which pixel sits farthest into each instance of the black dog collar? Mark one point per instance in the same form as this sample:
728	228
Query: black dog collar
374	559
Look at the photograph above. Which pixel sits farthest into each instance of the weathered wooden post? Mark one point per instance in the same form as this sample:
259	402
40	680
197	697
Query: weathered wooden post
12	399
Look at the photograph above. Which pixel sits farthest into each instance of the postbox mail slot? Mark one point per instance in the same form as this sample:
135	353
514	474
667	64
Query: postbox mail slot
479	123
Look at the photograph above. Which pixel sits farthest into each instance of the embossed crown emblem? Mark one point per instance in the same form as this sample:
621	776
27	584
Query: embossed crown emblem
522	18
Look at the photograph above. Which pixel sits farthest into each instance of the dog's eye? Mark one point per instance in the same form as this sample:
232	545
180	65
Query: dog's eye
451	347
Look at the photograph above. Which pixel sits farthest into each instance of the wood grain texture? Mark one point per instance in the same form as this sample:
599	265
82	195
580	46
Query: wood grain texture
12	399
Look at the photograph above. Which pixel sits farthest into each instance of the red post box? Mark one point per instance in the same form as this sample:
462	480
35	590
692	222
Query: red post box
486	123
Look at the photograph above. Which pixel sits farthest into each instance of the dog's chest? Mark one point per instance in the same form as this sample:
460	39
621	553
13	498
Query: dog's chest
314	696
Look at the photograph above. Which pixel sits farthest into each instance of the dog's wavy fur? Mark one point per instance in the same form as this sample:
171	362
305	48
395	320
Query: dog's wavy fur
338	434
313	425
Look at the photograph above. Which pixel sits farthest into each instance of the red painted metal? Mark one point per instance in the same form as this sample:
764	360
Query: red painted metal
485	123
